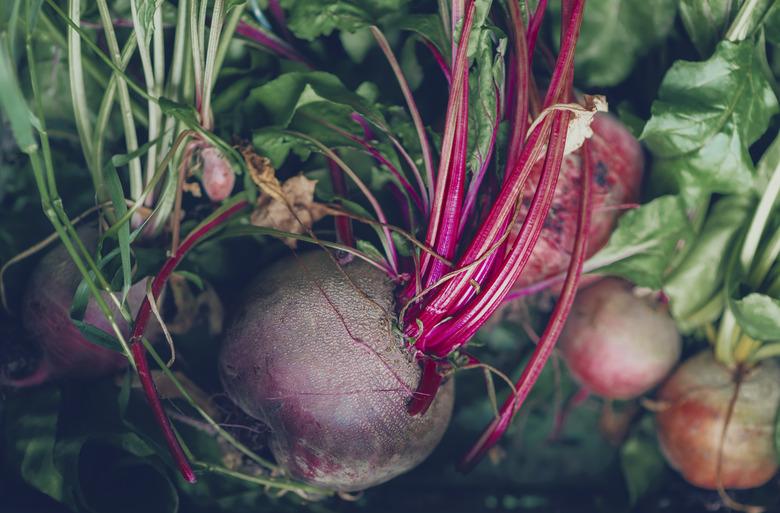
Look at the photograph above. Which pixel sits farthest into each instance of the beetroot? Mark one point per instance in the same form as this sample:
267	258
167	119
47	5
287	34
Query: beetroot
64	352
690	425
617	344
316	357
218	177
618	166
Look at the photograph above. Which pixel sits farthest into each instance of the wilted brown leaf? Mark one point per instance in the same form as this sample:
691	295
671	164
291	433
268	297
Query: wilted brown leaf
190	305
287	206
295	212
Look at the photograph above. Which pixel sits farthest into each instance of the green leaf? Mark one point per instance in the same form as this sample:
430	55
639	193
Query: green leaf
615	34
427	26
641	461
645	241
273	144
12	101
97	336
758	315
280	98
310	19
483	111
181	111
30	438
117	196
706	21
699	276
706	117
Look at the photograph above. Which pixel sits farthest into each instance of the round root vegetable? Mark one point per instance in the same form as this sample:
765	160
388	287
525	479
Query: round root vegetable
697	398
616	344
313	353
618	166
64	351
218	177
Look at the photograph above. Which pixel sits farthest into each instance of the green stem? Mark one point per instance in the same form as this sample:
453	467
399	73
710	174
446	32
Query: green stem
128	123
53	197
152	91
727	338
104	114
707	313
217	19
768	257
79	95
774	288
273	482
51	213
89	67
760	218
197	53
227	36
748	17
770	350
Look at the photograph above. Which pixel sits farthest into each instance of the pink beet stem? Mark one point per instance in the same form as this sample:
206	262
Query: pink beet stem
447	193
142	320
343	223
544	348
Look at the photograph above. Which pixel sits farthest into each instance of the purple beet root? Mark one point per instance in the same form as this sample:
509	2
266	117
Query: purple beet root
316	357
64	351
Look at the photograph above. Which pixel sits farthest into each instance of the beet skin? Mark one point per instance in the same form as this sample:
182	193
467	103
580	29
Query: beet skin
315	356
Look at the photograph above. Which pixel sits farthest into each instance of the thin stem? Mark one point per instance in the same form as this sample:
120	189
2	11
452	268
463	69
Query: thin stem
343	223
217	19
273	482
79	95
387	240
142	319
227	36
760	219
128	123
745	21
270	42
551	333
197	53
413	111
243	449
151	86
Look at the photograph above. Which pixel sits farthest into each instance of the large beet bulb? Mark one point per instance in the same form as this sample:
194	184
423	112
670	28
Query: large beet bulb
64	352
616	344
315	356
617	175
690	426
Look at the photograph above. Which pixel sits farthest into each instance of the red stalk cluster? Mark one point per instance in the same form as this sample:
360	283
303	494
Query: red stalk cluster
447	305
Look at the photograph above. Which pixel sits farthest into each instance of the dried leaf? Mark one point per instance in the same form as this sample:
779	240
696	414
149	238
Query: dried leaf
295	212
287	206
189	306
579	124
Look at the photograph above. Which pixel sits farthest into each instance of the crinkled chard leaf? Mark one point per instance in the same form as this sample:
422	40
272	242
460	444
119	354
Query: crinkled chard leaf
706	117
644	242
758	315
615	34
309	19
705	262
